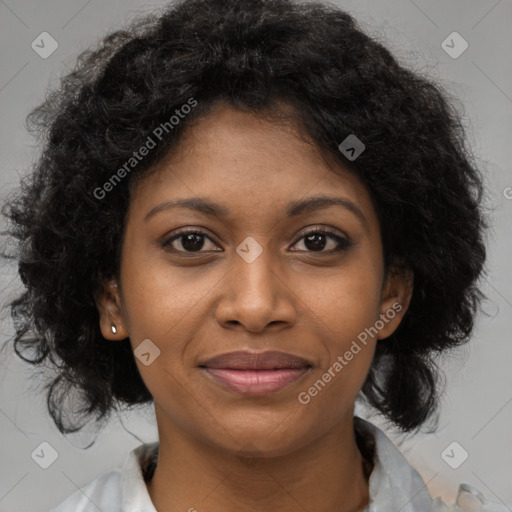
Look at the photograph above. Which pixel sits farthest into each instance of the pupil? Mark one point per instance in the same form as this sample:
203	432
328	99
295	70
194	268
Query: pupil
192	242
315	244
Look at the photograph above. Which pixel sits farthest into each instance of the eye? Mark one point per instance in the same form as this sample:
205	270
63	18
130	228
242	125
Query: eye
190	240
317	239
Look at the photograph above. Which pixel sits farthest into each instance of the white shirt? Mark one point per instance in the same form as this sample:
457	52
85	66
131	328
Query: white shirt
393	485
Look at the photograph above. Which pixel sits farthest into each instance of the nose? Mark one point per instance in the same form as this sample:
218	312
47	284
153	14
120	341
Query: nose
256	295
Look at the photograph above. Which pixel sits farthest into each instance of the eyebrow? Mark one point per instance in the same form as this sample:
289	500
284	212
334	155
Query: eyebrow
294	208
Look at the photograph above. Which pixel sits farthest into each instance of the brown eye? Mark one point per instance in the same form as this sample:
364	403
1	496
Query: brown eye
190	241
317	240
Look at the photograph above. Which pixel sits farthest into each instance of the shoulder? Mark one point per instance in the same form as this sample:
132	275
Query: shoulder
396	485
120	490
103	493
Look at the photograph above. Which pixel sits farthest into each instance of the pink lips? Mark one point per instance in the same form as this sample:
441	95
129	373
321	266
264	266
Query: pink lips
256	374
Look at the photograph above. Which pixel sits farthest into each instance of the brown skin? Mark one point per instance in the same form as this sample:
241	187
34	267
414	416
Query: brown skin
220	451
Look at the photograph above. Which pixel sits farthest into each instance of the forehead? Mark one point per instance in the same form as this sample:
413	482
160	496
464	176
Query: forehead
249	164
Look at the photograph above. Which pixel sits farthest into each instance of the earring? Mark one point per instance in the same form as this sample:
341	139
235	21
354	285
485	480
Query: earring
114	330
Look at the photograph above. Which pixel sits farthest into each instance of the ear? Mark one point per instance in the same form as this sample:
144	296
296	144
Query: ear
108	302
396	296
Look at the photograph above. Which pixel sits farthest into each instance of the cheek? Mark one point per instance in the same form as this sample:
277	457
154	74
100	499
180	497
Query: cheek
345	309
158	297
161	305
346	302
347	354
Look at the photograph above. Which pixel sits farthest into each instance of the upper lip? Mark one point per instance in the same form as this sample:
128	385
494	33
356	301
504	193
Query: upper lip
244	360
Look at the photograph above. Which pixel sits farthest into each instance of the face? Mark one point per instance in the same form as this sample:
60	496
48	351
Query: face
270	270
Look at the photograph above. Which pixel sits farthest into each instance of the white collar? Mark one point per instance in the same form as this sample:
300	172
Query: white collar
134	493
394	485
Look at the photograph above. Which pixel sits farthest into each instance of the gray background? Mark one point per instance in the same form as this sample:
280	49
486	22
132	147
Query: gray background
477	408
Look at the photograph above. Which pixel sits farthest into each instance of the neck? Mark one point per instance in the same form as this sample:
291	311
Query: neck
326	475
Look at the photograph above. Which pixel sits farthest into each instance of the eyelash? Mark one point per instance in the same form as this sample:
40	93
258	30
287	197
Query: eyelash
343	243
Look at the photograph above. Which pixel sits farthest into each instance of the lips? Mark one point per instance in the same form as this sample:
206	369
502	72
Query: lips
255	374
244	360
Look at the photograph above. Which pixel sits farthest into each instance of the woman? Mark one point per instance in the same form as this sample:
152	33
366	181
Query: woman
248	213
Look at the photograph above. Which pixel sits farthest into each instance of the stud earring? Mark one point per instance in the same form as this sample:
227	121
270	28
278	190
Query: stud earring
114	330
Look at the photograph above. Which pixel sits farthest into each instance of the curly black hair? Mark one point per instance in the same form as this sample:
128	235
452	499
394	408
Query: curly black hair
252	55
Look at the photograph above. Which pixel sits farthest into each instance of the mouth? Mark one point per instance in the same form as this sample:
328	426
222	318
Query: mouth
256	374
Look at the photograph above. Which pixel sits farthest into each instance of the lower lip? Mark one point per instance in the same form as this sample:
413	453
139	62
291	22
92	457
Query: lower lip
256	382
